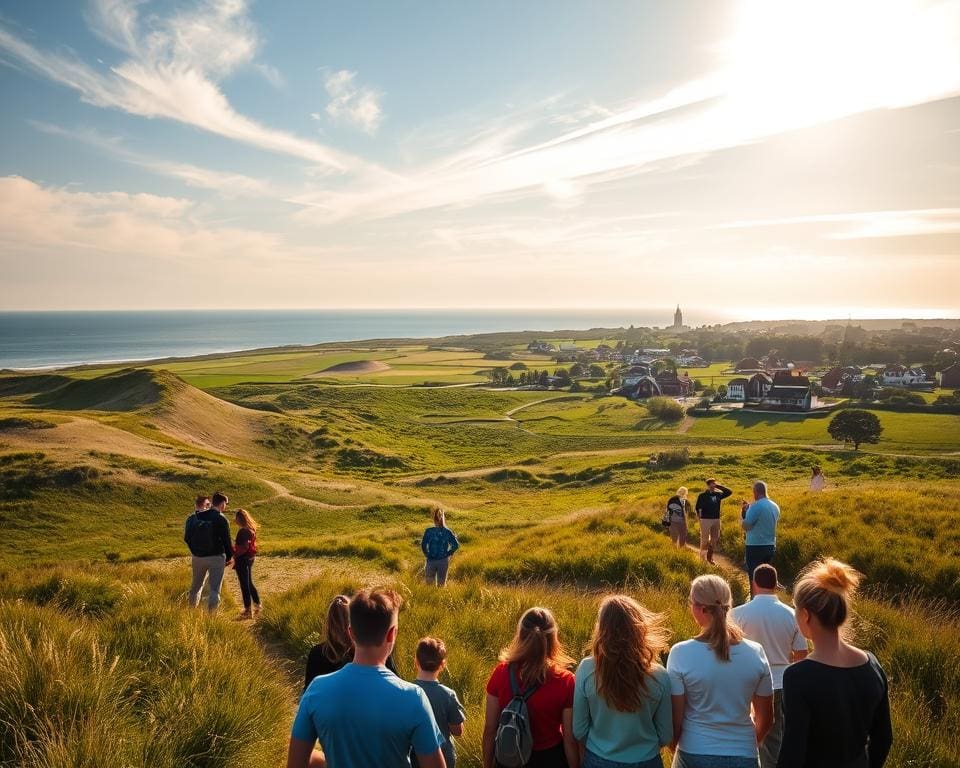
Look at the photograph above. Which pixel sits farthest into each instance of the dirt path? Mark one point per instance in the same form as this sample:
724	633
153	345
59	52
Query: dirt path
688	421
285	493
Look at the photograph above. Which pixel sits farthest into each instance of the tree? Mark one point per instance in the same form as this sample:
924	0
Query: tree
597	371
855	426
722	390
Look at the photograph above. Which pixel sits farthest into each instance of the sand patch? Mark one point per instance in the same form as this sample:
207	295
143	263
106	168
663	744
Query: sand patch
354	367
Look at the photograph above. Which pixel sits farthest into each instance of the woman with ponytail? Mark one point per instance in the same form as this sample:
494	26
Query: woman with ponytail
835	702
535	658
716	678
621	702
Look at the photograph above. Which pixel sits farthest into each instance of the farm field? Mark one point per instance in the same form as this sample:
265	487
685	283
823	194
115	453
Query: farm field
556	498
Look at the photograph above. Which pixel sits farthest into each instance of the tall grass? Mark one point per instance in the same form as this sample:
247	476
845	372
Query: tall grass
110	669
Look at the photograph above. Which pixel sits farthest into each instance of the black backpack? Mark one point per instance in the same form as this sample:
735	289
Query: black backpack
202	537
513	744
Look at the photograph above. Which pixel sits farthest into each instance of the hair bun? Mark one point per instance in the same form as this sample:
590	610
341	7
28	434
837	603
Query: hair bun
837	577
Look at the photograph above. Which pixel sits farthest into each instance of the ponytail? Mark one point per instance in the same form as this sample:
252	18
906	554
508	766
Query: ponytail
535	648
713	596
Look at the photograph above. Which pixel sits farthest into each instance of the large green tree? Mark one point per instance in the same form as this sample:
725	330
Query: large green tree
855	426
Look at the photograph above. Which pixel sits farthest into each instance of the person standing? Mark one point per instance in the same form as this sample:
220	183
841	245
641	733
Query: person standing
836	701
677	509
708	512
245	549
818	480
438	544
364	715
535	659
622	710
430	661
768	621
336	650
760	524
717	678
207	534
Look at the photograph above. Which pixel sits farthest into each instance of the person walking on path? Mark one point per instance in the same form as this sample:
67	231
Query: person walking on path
438	544
708	512
817	480
535	659
207	534
768	621
622	709
836	701
244	551
431	660
676	517
760	524
363	715
336	650
717	678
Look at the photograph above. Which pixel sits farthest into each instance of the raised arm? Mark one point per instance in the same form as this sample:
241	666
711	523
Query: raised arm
724	491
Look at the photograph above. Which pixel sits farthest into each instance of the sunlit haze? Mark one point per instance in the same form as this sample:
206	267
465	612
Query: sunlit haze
750	160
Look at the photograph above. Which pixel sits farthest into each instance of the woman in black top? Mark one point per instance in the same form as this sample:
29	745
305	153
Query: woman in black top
836	710
336	651
243	553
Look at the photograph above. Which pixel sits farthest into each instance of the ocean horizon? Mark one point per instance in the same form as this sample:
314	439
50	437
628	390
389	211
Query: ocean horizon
32	340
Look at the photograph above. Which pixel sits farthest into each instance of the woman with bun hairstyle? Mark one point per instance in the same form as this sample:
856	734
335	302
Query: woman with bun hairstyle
716	678
835	702
535	659
622	711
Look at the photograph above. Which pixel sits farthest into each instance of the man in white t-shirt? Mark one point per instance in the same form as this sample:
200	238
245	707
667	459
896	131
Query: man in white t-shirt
771	623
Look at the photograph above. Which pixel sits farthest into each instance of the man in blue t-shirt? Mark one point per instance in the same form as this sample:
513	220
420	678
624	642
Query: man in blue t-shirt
364	715
760	524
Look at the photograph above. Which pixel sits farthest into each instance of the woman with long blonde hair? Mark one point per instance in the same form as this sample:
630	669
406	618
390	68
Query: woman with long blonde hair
678	507
535	664
716	679
244	551
438	544
621	703
836	708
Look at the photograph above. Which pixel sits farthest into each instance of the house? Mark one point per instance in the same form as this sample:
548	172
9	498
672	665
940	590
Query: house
737	390
902	376
758	385
793	396
633	374
950	376
692	361
748	364
646	387
673	385
840	380
540	347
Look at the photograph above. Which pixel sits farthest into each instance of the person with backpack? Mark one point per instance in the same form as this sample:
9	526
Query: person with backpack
207	534
245	549
675	517
718	678
438	544
622	709
529	707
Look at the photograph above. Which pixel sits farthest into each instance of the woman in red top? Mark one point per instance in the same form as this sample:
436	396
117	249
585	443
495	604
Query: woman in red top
539	658
243	553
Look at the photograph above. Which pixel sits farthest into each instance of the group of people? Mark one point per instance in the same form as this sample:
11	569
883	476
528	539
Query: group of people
743	692
207	535
758	519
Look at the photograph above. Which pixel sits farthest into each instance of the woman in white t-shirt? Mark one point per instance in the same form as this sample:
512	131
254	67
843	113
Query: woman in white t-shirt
715	678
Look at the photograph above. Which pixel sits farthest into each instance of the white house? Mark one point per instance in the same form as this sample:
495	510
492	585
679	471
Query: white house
737	390
901	376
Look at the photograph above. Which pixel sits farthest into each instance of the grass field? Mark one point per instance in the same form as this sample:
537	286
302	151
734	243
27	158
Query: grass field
554	496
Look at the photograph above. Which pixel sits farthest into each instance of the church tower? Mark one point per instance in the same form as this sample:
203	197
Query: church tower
678	318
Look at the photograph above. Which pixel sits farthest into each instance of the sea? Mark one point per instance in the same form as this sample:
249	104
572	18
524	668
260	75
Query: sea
42	340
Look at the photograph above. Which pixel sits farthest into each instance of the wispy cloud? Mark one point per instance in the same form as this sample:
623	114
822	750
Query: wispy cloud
352	103
172	70
860	225
228	184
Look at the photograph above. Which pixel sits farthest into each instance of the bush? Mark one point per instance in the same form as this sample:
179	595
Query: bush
672	459
665	408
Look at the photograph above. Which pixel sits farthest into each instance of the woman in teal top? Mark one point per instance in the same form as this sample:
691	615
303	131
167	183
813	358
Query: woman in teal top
437	544
622	710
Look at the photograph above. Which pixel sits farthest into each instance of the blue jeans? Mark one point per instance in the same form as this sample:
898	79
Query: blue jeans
590	760
758	554
436	571
686	760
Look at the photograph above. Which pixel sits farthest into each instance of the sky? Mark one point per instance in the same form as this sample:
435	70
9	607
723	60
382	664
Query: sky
760	158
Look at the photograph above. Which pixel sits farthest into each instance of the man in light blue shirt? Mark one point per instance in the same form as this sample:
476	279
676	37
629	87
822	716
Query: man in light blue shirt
364	715
760	524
